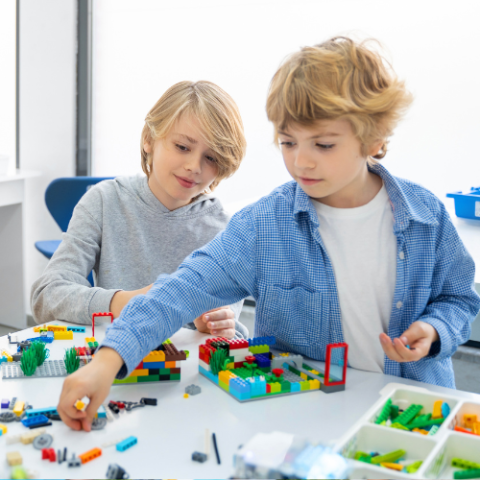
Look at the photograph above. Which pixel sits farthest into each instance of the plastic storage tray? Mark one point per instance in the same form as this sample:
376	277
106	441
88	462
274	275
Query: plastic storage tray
436	451
467	205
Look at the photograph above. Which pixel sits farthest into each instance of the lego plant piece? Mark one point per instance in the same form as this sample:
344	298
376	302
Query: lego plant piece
216	360
199	457
388	457
28	363
72	362
116	472
467	474
214	438
14	458
43	441
41	352
90	455
126	444
74	461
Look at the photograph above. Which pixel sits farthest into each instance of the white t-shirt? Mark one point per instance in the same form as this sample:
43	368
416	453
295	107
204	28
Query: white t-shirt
363	250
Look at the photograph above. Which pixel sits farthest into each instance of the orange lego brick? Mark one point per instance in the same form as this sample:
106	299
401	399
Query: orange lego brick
140	373
57	328
90	455
392	466
170	364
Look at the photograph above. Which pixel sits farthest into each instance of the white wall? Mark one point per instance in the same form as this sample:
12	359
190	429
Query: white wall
47	113
8	79
143	47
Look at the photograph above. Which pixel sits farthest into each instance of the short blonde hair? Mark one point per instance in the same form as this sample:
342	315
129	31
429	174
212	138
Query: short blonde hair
219	118
339	79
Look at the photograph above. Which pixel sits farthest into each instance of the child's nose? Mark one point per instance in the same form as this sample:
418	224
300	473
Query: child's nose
194	163
303	160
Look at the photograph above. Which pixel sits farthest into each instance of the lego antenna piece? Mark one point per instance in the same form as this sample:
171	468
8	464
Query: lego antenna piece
214	438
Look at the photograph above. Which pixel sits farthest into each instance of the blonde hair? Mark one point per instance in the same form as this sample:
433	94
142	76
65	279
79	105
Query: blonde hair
219	118
339	79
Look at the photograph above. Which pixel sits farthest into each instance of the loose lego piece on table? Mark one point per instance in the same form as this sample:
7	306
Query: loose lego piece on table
19	473
90	455
67	335
217	454
43	441
199	457
8	416
3	429
14	458
193	390
36	420
186	395
18	408
5	403
116	472
57	328
126	444
74	461
148	401
49	454
29	437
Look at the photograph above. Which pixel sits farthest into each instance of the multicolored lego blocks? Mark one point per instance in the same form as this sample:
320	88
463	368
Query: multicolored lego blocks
160	365
250	371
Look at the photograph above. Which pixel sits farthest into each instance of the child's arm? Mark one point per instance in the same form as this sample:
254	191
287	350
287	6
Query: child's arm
221	273
453	305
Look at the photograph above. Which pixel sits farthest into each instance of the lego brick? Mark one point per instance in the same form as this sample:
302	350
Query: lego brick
223	385
29	437
152	365
41	411
172	354
126	444
125	380
164	378
76	329
295	387
14	458
90	455
170	364
209	375
139	373
148	378
175	376
4	429
175	370
18	408
49	368
57	328
155	356
204	365
63	335
36	420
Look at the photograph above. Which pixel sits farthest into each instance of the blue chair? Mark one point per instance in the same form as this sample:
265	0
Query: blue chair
61	197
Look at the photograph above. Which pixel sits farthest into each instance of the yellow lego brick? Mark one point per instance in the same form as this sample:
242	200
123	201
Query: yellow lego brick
230	366
392	466
90	340
63	335
437	409
156	356
18	408
225	376
3	428
140	373
469	419
419	430
57	328
275	387
304	375
315	372
36	329
314	384
476	428
14	458
286	354
79	405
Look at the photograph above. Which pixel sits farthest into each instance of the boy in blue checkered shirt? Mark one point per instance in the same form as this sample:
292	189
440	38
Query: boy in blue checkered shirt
344	252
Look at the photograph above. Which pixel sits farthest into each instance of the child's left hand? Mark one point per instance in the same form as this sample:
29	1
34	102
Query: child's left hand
419	336
220	321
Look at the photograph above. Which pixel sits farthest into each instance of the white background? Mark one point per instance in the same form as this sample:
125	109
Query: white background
7	79
143	47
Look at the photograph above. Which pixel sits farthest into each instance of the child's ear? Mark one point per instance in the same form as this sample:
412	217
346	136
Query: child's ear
375	148
147	147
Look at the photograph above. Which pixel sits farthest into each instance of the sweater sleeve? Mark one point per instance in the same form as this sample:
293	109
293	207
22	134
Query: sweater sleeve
63	291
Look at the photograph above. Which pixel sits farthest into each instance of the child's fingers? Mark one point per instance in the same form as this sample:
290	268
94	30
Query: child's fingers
220	314
406	355
389	348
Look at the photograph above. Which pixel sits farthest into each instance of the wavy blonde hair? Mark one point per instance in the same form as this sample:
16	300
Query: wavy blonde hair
219	119
339	79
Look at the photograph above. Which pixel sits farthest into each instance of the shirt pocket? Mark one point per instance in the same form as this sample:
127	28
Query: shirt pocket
295	315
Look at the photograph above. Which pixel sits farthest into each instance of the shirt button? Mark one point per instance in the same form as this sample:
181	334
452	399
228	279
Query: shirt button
399	305
401	255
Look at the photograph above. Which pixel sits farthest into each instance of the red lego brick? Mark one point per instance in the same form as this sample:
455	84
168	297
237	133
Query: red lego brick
269	388
49	454
139	366
238	364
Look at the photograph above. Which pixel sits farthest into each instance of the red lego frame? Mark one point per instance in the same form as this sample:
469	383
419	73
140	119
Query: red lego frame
107	314
328	360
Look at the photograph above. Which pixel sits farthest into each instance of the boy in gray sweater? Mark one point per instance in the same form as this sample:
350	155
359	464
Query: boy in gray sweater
132	229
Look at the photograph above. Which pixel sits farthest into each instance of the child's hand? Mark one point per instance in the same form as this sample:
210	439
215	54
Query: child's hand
220	321
93	381
122	297
419	336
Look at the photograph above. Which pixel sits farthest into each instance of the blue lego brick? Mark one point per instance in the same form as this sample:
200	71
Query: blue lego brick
76	329
210	375
40	411
240	385
101	412
46	339
126	444
269	340
153	365
262	360
37	420
295	387
240	395
5	403
445	410
3	359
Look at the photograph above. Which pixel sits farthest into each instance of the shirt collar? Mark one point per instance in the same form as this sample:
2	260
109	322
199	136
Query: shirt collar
405	203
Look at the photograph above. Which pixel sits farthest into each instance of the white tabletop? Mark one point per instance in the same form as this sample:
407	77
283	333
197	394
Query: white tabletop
18	175
169	433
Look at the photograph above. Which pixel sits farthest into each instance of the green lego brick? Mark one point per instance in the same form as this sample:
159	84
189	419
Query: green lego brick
286	386
385	413
175	376
400	426
365	459
148	378
294	370
461	463
420	419
394	412
224	386
409	414
164	371
304	386
388	457
126	380
359	454
413	467
461	474
425	423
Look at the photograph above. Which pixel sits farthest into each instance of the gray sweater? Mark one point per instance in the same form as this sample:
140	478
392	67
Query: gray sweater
128	237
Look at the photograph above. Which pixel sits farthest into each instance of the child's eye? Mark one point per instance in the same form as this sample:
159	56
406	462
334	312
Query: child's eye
183	148
286	144
324	146
211	159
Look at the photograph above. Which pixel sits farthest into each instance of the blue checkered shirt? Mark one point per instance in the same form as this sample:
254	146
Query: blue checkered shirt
273	251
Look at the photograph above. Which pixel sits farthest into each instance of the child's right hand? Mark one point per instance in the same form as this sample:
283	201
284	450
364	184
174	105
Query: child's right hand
92	381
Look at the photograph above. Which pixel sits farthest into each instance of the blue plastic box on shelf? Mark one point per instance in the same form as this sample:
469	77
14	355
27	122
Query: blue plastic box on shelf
467	205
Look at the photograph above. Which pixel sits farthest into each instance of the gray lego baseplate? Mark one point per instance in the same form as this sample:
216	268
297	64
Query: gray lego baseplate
49	368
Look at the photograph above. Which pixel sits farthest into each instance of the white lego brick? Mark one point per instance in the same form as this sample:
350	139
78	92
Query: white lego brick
239	352
204	365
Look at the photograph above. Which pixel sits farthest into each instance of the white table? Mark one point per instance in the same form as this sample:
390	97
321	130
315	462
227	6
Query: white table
12	265
169	433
